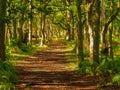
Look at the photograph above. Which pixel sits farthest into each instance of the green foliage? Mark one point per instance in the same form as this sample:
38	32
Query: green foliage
71	45
86	53
14	42
59	17
108	67
116	78
7	75
27	48
12	47
86	67
7	51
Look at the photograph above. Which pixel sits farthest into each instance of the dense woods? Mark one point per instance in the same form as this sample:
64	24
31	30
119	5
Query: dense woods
93	26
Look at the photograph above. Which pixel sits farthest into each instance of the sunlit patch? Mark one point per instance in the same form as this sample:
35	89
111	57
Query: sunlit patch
72	65
19	55
22	55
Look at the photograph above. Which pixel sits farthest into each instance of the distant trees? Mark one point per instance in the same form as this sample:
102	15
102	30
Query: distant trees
88	22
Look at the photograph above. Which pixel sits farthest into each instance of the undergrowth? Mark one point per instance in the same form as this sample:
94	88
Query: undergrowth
107	69
8	76
14	52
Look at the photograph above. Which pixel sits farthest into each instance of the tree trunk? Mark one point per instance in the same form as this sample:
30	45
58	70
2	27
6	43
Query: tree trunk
80	31
96	32
2	29
31	18
69	20
42	31
90	29
102	14
20	29
110	43
14	28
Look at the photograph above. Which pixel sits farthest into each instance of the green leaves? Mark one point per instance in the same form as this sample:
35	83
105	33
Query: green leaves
86	67
116	78
7	75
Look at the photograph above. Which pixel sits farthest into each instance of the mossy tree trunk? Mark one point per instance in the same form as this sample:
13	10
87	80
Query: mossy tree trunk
2	28
90	28
79	31
96	32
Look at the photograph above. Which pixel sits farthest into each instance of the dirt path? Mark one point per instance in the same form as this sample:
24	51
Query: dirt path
46	70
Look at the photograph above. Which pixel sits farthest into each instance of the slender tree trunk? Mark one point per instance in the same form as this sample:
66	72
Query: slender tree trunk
110	43
102	14
2	29
69	20
96	32
103	18
73	27
42	31
31	18
15	28
10	31
80	31
90	29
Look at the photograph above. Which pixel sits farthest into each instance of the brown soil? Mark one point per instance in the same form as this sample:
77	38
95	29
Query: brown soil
46	70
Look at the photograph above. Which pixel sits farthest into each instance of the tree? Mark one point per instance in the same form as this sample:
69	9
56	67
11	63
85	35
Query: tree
105	45
96	32
79	30
2	28
90	28
93	23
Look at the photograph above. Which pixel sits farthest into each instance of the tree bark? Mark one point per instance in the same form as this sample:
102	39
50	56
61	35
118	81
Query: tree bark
69	20
2	29
15	28
96	32
110	43
80	31
90	29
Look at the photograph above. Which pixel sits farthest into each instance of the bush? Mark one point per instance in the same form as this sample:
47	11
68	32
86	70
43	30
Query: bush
14	42
86	53
12	47
7	75
27	48
116	78
85	67
109	67
106	68
103	68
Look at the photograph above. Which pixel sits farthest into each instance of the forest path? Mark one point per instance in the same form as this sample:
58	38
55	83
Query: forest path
46	70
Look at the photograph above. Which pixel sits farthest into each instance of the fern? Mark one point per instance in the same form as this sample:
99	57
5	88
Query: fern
7	75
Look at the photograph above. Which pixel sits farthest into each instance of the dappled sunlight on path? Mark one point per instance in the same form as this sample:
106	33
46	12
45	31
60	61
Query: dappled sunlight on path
47	71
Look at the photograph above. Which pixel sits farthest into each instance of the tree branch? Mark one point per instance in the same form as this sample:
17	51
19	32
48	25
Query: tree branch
111	19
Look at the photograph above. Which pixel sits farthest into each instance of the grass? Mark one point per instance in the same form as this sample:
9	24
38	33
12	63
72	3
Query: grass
71	56
20	55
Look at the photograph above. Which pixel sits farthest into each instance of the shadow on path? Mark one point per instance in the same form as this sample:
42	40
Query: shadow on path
46	70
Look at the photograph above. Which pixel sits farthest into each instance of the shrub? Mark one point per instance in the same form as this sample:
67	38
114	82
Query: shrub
27	48
7	75
108	67
85	67
14	42
116	78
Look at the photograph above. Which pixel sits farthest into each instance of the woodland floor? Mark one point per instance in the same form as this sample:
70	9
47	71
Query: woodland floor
46	70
